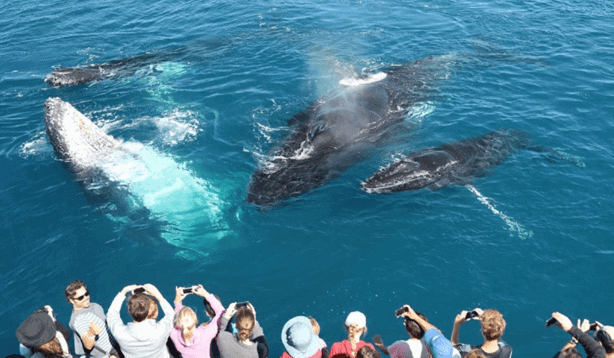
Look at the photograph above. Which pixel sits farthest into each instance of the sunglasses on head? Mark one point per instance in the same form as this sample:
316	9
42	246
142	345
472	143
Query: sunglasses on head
86	294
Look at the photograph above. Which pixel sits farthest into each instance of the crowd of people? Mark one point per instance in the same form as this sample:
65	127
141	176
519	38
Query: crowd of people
234	332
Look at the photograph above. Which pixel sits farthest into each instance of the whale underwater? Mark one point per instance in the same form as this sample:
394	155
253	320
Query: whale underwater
341	128
71	76
135	181
453	163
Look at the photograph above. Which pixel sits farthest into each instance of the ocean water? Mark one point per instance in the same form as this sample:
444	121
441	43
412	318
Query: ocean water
533	237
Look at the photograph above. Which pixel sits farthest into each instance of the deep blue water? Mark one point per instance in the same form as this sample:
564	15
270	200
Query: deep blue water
234	72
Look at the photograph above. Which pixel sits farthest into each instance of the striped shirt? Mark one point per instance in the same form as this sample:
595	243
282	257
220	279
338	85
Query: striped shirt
80	323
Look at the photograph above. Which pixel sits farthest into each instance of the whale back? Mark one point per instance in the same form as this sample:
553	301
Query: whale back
341	129
454	163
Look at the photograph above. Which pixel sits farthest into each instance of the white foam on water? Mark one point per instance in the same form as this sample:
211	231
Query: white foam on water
354	82
512	225
177	126
37	145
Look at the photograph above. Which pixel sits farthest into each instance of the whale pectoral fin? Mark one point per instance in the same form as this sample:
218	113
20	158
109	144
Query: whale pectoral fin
442	183
450	180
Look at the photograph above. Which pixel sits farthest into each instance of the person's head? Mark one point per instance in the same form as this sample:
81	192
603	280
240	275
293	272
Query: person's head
356	325
315	326
413	328
570	352
153	308
244	322
604	336
37	329
139	305
367	352
493	324
186	320
299	339
77	295
475	353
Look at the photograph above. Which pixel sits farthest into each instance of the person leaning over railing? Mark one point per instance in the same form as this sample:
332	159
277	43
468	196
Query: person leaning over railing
190	341
300	340
88	323
40	335
605	336
440	346
144	337
592	347
356	325
249	342
492	326
414	347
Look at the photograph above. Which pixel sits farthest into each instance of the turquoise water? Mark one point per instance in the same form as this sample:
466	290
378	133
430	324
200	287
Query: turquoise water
531	238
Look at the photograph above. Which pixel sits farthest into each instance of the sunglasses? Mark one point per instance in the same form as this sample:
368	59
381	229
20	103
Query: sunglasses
86	294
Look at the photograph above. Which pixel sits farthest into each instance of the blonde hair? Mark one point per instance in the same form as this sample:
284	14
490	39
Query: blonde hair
354	334
187	320
245	322
315	327
493	324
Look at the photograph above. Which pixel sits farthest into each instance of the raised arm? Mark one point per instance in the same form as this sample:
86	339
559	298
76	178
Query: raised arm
440	345
379	343
114	320
591	346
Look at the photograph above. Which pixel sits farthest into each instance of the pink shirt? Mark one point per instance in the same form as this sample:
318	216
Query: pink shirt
200	344
344	347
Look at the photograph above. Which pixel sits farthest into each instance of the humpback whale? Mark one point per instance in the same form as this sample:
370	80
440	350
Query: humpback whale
340	129
136	180
70	76
453	163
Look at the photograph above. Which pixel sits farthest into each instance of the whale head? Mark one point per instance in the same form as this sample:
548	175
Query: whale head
427	168
74	137
71	76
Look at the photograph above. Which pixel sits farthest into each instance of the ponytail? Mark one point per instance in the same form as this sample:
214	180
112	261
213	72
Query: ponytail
245	322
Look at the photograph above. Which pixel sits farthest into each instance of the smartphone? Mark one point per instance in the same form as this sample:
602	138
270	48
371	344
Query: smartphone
139	290
187	290
471	314
400	311
242	304
551	321
594	327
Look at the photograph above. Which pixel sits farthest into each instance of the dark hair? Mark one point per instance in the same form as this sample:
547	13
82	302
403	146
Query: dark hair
606	341
138	306
413	328
208	308
245	322
72	287
367	352
570	352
